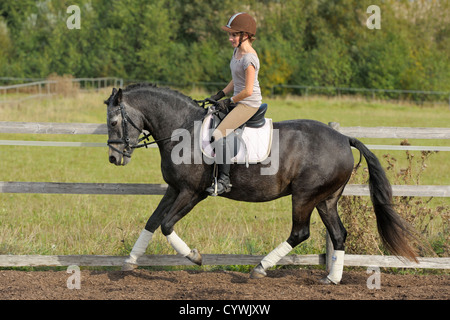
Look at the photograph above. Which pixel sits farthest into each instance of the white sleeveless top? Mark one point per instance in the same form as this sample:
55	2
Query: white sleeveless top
238	68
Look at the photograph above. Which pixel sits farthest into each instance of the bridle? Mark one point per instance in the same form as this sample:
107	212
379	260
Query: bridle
125	140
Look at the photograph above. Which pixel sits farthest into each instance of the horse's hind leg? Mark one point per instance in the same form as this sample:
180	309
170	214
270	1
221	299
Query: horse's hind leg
301	214
329	214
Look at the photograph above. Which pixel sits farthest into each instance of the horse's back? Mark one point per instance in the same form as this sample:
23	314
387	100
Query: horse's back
311	137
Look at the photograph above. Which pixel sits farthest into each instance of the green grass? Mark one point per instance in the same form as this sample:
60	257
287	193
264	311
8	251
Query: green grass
95	224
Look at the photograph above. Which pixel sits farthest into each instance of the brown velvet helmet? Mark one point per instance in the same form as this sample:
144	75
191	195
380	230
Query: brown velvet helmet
241	22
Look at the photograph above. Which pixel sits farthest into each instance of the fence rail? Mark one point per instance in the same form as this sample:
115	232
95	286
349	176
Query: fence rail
101	128
159	189
350	260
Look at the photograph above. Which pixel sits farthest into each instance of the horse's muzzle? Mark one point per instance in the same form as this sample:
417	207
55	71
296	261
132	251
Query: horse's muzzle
119	160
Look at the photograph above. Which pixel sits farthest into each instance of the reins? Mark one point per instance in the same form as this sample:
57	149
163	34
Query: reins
125	140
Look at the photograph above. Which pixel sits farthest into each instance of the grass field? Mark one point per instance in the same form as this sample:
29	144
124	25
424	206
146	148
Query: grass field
91	224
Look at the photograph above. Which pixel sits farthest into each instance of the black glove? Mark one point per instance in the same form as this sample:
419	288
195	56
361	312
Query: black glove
219	95
223	105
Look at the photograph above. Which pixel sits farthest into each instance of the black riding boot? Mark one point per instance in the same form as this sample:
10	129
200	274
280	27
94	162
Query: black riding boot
223	160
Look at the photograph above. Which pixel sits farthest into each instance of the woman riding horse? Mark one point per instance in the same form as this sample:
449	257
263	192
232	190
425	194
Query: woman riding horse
244	65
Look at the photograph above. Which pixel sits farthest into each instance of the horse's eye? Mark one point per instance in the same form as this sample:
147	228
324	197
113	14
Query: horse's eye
113	123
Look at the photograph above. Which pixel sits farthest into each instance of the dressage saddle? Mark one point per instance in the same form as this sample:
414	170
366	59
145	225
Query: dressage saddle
258	120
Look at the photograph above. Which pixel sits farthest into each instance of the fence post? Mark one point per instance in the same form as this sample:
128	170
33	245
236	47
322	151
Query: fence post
329	244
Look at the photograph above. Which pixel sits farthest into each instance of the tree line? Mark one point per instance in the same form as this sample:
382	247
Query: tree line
314	42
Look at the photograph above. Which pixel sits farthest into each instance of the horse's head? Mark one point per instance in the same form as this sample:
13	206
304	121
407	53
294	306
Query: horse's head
124	128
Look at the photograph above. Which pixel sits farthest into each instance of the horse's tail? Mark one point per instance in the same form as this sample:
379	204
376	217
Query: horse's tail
395	233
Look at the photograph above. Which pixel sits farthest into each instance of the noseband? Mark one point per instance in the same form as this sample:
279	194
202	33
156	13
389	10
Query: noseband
125	140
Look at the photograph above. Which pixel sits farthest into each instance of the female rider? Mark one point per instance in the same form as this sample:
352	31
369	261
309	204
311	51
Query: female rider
244	65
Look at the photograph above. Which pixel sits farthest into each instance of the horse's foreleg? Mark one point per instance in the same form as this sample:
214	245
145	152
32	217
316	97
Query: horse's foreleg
152	224
182	206
138	250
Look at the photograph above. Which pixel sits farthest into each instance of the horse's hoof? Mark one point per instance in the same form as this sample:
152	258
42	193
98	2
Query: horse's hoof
195	257
258	272
327	281
129	266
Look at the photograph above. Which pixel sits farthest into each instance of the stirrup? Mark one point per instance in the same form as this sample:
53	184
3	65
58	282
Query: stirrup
219	186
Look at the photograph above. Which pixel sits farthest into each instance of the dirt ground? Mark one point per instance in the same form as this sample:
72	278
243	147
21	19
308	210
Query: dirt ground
282	284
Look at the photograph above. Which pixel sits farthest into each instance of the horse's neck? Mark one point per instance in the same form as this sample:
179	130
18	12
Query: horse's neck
163	117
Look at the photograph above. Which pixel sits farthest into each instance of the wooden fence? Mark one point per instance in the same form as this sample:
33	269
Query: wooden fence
46	88
159	189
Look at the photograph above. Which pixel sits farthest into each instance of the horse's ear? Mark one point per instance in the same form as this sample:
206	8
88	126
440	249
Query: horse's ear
118	97
114	91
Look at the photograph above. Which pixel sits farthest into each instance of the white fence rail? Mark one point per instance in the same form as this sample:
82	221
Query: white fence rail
92	128
159	189
350	260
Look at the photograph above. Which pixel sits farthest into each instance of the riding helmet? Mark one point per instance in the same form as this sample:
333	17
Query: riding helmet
241	22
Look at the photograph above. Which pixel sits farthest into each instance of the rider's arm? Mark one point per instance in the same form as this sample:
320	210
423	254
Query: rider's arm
229	88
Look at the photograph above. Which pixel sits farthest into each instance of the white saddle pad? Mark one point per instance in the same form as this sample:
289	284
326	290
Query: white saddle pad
256	146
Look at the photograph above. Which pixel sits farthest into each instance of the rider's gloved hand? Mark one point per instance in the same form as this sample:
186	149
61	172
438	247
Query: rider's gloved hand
223	105
219	95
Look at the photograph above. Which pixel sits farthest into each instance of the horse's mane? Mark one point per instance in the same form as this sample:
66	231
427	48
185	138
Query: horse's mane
154	87
136	86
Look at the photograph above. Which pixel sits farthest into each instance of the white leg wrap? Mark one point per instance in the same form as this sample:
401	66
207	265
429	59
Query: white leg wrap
273	257
179	245
337	266
140	246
